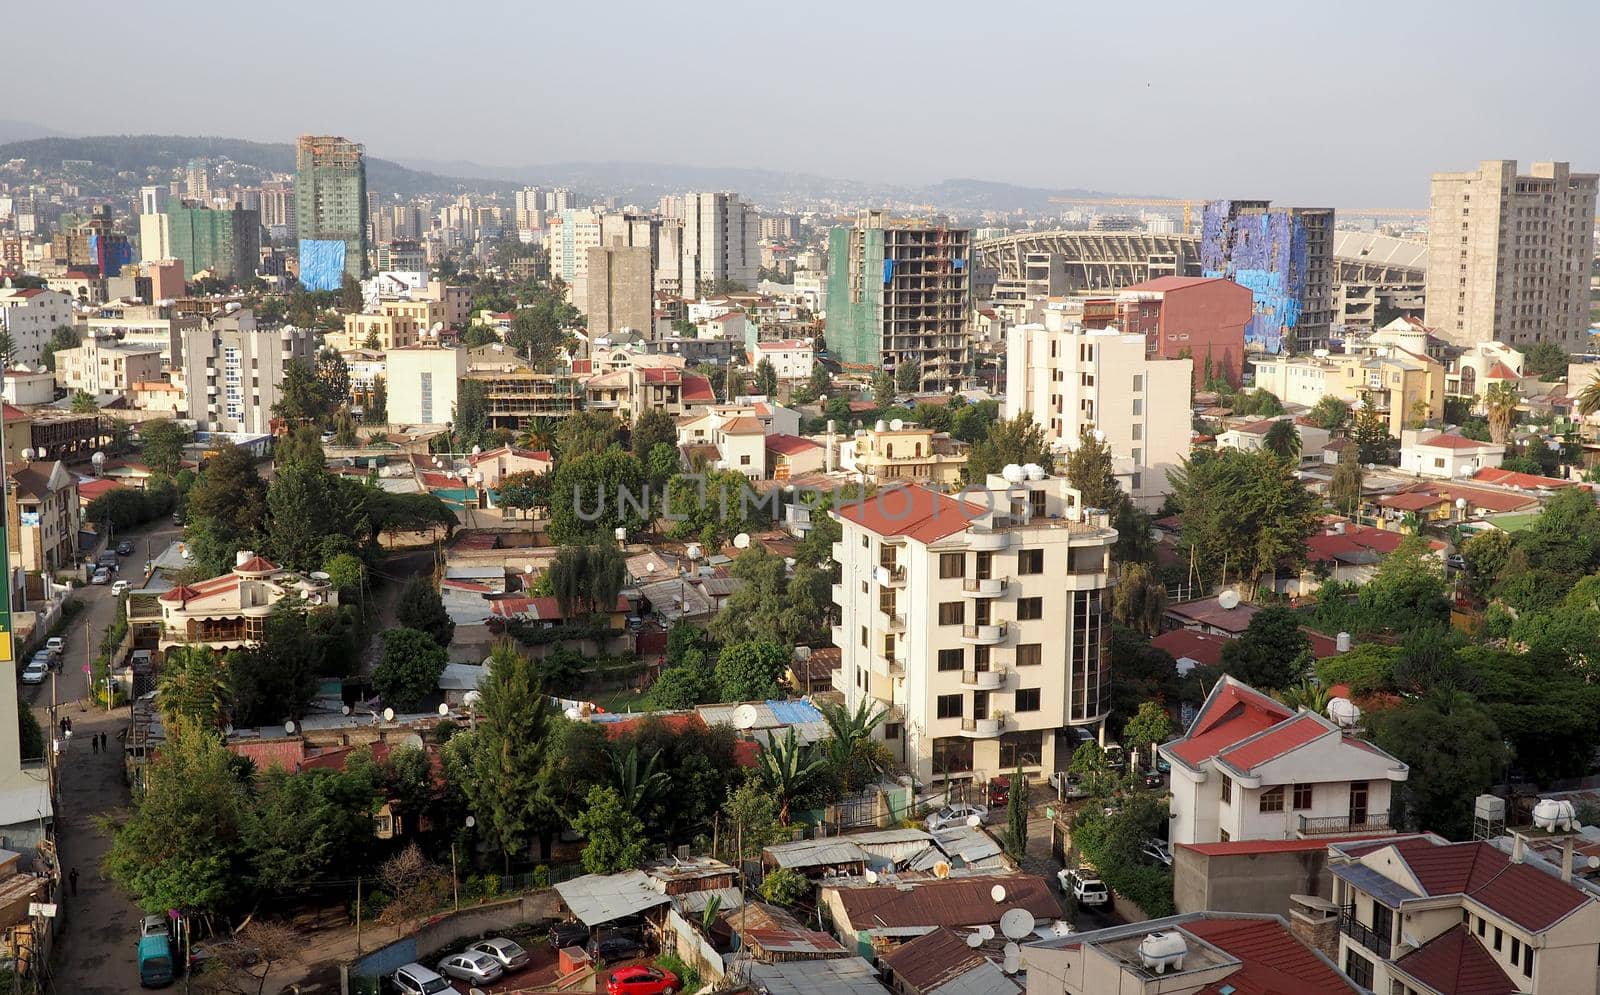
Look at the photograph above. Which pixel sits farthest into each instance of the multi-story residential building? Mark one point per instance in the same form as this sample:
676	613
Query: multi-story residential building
224	243
651	383
620	289
1419	915
228	612
1182	317
29	316
232	370
161	326
1284	255
791	359
106	368
1509	254
402	254
1429	452
567	243
515	392
1249	768
152	199
720	245
1404	387
378	331
424	383
982	624
900	293
42	520
278	206
900	453
330	192
1073	380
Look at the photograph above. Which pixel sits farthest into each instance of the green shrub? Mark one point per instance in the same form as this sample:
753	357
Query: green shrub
482	887
688	974
784	887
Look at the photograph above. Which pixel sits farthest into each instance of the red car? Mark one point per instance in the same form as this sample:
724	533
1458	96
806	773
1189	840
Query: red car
640	980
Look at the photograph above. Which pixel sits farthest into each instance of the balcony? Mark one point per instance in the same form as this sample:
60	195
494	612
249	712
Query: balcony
1352	927
890	575
983	540
983	635
837	592
892	622
1343	825
984	587
981	728
838	552
983	680
838	635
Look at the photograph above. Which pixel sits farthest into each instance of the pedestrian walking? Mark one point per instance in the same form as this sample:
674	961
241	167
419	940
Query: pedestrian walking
72	879
94	741
103	744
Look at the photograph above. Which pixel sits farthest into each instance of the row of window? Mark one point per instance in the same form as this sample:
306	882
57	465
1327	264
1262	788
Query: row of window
1521	953
1027	655
953	706
955	612
1272	798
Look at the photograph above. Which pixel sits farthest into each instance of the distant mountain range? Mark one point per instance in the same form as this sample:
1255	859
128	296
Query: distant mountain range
631	182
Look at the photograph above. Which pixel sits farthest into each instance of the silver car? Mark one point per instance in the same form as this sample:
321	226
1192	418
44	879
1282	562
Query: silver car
471	966
508	952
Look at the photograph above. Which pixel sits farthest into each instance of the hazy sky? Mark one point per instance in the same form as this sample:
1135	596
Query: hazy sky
1331	104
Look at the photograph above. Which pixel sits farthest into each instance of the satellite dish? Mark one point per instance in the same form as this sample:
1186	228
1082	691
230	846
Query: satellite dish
1016	923
444	710
941	869
1228	600
998	893
344	709
896	425
388	715
288	727
975	821
1012	962
986	931
974	940
871	876
741	541
414	741
472	820
746	717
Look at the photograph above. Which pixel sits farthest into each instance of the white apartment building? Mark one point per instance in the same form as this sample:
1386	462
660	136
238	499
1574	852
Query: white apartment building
1072	379
232	370
424	382
1509	254
1248	768
720	242
106	368
29	316
1419	915
983	625
567	242
791	358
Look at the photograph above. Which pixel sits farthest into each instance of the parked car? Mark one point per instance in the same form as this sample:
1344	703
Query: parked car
1084	885
641	980
1116	756
34	673
119	588
414	979
101	576
1152	779
1157	851
999	791
472	966
1455	561
124	548
56	645
1067	786
616	944
508	952
571	933
954	815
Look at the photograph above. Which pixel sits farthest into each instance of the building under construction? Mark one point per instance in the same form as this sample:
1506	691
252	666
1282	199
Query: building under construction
900	292
330	195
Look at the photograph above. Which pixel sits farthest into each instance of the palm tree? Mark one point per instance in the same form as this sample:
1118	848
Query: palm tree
846	728
789	768
1588	402
637	789
1284	439
536	434
1311	697
194	686
1500	403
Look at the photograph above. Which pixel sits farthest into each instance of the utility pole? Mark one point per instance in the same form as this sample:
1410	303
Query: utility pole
455	891
358	917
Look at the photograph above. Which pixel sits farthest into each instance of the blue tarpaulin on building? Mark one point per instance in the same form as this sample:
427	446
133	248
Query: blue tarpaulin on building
321	264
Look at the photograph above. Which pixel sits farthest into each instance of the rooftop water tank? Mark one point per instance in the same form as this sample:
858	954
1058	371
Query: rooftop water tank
1159	951
1551	815
1013	473
1033	471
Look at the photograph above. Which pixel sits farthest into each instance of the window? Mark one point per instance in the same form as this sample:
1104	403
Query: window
1138	406
1030	655
950	659
980	658
952	612
1516	950
1481	925
1498	937
1227	789
1138	382
952	754
893	730
1272	799
1029	609
1224	836
1359	969
1030	561
952	565
1023	748
1302	797
1383	921
949	706
863	637
865	542
1027	700
1527	962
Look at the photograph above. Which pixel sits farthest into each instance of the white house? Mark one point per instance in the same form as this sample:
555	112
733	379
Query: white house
29	316
1250	769
791	358
1252	436
1432	453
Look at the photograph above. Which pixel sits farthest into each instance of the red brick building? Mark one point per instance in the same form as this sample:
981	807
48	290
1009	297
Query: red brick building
1182	316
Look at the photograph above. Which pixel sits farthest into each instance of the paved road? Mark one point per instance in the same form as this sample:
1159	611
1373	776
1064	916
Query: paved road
95	955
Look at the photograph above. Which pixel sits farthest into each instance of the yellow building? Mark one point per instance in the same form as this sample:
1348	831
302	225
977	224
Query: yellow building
390	331
1400	385
908	453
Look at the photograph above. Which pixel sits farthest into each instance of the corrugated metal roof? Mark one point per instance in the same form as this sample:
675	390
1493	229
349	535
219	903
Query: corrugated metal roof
1370	881
815	853
843	976
601	898
696	901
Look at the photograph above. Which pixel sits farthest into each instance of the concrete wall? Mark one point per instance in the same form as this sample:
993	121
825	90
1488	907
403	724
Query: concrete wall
1247	882
451	929
683	938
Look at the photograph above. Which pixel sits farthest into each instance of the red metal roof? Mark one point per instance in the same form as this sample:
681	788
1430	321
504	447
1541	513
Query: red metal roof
1233	712
1451	441
789	445
1273	960
1455	963
1523	481
256	565
14	413
1282	738
933	960
88	490
697	389
914	512
746	425
1500	371
962	901
1527	896
1204	648
1412	500
1166	284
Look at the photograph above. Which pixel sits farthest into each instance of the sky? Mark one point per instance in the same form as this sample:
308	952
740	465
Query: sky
1344	105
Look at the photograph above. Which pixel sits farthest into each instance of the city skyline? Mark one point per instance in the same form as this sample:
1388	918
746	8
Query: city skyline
1254	112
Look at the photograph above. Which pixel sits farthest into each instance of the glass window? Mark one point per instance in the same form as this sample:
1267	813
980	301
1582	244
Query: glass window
949	706
1272	799
1023	748
1030	561
1027	700
893	730
1030	655
1029	609
952	612
950	659
1227	788
1359	969
952	565
1302	797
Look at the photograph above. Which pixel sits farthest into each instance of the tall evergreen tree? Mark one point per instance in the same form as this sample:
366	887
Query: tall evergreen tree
513	717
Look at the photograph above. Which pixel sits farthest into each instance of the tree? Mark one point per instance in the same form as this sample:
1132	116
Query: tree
312	516
883	388
1408	589
1016	440
377	409
8	349
586	580
409	669
540	331
784	887
308	825
162	444
526	490
1092	472
587	432
616	840
1244	514
1090	769
1148	728
333	378
276	679
766	378
1016	843
1283	439
30	737
420	607
301	398
83	403
61	337
469	424
231	493
848	730
752	818
681	687
650	429
1454	751
193	686
788	767
508	752
242	965
1371	435
821	382
1500	404
181	846
750	671
908	377
1140	598
1545	360
1344	485
1273	652
1330	413
637	788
